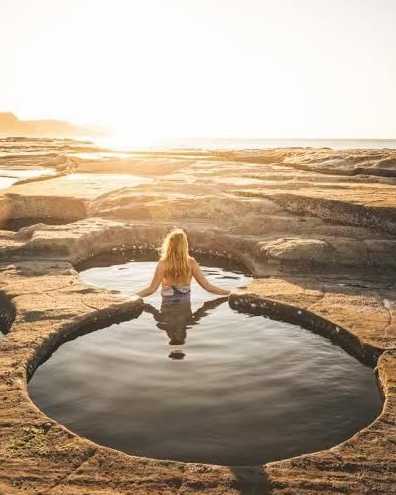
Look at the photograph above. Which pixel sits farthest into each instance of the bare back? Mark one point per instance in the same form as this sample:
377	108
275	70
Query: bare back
170	287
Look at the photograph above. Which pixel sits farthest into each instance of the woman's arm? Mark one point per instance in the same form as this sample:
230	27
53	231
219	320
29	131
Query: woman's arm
155	283
204	282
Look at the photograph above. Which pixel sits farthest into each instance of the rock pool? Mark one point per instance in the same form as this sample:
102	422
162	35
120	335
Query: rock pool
203	383
9	176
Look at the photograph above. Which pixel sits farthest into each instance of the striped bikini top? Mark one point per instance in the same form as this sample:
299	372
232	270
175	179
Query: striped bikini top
173	293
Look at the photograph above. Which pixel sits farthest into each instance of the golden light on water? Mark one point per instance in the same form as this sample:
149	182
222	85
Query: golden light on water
125	141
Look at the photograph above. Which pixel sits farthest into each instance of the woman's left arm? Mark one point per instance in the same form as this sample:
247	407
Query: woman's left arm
155	283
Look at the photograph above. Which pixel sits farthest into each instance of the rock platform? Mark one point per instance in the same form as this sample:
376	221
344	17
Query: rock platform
315	227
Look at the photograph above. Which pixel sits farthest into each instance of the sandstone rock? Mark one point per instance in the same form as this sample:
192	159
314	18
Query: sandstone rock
298	250
317	229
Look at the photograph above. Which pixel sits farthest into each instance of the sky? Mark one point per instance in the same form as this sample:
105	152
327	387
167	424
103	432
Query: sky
203	68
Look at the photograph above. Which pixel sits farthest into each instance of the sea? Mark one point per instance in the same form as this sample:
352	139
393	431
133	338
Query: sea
128	143
234	144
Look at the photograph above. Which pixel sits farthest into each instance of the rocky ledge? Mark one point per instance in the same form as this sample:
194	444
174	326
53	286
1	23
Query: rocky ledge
315	227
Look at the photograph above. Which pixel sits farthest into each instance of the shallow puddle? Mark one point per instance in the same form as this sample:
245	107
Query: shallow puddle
204	383
240	181
9	176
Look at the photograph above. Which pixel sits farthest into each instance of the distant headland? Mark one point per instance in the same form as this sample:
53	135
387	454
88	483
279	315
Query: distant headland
10	125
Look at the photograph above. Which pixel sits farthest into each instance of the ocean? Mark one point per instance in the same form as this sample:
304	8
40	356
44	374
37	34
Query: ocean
235	143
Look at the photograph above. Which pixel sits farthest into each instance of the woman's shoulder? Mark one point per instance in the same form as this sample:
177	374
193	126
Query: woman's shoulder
161	264
193	262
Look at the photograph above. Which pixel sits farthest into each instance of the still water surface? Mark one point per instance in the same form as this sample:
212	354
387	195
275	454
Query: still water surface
204	383
9	176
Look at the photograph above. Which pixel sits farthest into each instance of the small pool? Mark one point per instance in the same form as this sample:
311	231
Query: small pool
9	176
203	383
7	315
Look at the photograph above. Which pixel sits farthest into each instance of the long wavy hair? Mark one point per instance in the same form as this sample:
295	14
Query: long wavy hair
174	252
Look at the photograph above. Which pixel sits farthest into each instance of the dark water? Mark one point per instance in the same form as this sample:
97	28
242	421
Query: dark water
204	383
7	315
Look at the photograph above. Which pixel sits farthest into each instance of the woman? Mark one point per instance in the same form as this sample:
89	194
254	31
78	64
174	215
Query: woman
175	270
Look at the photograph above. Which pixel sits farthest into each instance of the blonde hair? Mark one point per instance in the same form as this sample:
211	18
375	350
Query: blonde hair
174	252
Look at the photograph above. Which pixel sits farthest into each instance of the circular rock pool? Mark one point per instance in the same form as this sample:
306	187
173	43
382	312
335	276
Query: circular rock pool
203	383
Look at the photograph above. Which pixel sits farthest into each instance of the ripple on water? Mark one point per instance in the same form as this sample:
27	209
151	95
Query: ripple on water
211	385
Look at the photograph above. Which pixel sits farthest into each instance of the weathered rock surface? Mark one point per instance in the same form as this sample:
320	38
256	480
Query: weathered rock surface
37	455
248	193
316	227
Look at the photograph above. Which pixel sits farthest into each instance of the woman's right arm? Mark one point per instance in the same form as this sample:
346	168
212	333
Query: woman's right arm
204	282
155	282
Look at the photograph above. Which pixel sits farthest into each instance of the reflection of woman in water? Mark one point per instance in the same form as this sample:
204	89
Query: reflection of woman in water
174	272
176	318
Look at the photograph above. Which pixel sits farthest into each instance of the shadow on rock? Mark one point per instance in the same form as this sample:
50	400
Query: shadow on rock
251	480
